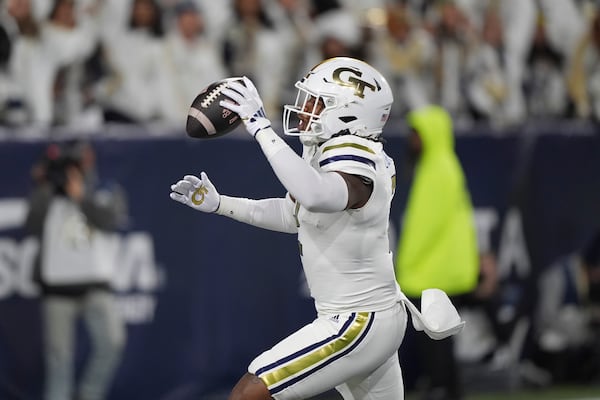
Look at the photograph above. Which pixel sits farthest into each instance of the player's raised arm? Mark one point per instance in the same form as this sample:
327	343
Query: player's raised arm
316	191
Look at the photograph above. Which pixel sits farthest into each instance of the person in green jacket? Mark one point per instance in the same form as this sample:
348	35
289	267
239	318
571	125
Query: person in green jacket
437	247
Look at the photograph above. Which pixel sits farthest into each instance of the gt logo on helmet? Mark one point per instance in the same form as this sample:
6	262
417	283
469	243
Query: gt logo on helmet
358	84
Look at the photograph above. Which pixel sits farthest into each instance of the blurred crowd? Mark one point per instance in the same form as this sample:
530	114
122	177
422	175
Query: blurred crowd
86	63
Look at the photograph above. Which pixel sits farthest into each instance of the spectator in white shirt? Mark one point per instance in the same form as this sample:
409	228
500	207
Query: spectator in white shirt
192	61
405	53
253	47
454	34
71	36
545	89
584	74
46	51
131	92
486	87
11	104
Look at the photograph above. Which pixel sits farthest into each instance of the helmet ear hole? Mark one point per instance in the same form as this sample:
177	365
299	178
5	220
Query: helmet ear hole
317	128
348	119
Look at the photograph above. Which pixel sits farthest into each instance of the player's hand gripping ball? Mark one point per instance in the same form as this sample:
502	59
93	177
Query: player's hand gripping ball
207	118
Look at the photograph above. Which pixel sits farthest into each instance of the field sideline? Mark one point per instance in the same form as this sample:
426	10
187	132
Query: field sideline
591	392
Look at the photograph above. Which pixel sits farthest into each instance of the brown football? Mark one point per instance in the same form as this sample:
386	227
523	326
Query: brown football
206	118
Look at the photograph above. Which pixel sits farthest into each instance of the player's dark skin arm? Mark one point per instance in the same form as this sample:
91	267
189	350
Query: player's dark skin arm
359	191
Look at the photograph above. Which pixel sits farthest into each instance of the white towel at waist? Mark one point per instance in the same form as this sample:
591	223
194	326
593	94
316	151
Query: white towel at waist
438	317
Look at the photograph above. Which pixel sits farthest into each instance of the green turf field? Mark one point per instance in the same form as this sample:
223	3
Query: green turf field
555	393
590	392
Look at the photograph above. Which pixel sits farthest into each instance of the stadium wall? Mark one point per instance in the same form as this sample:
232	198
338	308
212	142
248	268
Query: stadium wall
204	294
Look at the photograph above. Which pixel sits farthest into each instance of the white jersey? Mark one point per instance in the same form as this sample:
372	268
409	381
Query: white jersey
346	256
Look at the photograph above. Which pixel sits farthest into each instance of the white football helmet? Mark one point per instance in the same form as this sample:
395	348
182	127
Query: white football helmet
338	95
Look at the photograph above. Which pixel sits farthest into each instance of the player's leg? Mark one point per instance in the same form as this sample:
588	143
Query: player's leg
329	352
250	387
385	383
286	368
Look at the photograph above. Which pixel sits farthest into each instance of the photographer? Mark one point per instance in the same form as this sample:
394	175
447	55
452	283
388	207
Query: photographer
74	271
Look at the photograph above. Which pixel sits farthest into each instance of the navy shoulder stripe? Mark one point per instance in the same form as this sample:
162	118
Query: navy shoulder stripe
347	157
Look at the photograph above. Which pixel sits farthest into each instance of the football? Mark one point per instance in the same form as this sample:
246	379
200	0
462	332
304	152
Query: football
206	118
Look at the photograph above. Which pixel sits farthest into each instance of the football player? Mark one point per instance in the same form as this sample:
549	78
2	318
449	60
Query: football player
338	201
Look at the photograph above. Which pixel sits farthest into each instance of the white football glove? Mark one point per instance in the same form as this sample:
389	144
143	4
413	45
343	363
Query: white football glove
246	102
198	193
